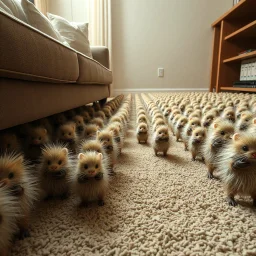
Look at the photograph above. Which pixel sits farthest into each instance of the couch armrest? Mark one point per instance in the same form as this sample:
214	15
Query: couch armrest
101	54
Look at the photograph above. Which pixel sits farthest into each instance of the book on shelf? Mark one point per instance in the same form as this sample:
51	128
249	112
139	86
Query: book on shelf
248	70
245	84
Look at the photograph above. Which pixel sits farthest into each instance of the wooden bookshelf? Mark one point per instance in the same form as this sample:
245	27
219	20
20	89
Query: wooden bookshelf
230	88
234	32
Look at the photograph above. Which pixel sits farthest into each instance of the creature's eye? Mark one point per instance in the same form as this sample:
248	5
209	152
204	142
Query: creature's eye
96	166
49	162
63	134
245	148
40	138
246	120
108	139
193	123
85	166
88	133
69	133
79	122
98	151
196	134
10	175
159	132
222	133
60	162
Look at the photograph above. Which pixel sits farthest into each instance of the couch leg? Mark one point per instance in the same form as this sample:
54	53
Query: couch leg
103	102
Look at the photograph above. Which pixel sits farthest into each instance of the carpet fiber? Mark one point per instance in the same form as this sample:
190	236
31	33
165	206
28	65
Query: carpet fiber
155	206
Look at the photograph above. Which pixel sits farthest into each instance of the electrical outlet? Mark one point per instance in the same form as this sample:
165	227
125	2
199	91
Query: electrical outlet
160	72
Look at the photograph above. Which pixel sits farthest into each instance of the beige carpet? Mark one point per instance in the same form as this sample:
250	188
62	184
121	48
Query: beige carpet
155	206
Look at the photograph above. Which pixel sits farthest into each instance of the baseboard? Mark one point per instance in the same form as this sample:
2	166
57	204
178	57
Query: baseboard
145	90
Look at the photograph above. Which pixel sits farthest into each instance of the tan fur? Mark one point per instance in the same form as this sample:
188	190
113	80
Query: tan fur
161	140
97	121
196	141
221	130
142	133
90	131
55	171
9	142
36	138
239	180
66	134
17	176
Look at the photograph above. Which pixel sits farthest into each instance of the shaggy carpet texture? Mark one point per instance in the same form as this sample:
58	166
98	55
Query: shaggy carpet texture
155	206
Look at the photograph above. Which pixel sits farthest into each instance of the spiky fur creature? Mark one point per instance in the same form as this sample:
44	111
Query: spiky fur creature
142	133
237	165
219	134
9	142
66	134
15	175
161	140
55	171
106	138
244	122
179	126
36	138
9	212
91	178
196	141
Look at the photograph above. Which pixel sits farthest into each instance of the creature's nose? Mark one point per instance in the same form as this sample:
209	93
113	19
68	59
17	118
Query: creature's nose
36	142
91	171
54	167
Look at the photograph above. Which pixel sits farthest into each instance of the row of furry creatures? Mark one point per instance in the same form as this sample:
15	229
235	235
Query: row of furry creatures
60	168
218	128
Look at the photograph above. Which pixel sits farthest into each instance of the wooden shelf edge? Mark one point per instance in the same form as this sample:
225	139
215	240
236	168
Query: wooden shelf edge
238	89
241	57
215	23
239	31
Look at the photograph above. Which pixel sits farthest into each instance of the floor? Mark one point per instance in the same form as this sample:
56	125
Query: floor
155	206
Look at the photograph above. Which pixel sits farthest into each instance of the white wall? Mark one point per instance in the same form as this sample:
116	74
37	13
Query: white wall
173	34
72	10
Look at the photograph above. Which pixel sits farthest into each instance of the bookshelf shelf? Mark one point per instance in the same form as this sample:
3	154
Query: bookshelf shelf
230	88
234	32
241	57
246	32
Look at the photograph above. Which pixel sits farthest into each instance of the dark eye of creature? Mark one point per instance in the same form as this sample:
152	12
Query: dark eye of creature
222	133
193	123
246	120
245	148
79	122
63	134
108	139
60	162
196	134
96	166
159	132
69	133
85	166
10	175
49	162
88	133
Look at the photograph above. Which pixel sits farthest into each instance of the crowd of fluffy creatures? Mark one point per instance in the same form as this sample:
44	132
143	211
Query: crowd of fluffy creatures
71	152
217	129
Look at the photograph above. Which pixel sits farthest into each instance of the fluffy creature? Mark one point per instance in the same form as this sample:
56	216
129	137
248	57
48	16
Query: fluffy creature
161	140
66	134
55	171
196	141
219	134
237	165
9	212
142	133
91	178
15	175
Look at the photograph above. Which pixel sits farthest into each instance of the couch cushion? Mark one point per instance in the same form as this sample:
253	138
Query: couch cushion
92	72
75	34
37	20
26	53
